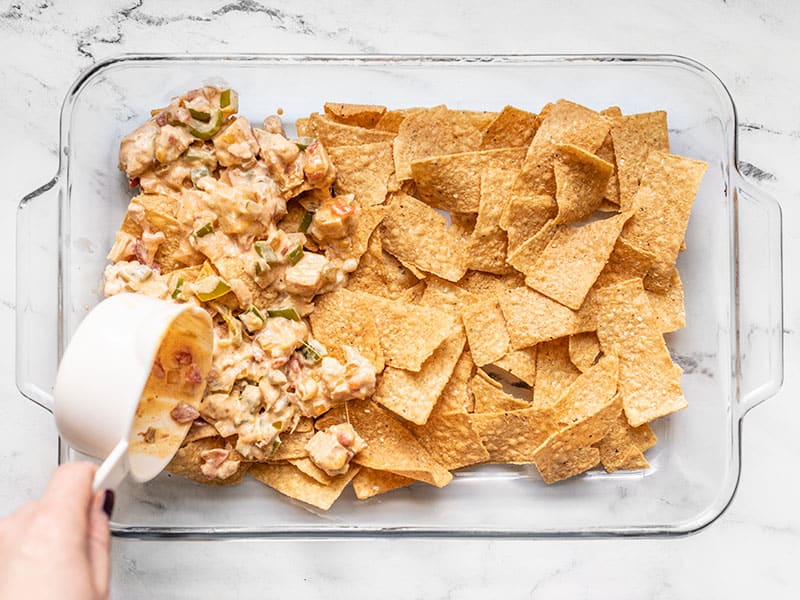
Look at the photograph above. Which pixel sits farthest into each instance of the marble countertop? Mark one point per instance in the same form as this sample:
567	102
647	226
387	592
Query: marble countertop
752	551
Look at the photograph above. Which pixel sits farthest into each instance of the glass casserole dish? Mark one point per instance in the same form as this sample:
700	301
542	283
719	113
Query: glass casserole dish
731	350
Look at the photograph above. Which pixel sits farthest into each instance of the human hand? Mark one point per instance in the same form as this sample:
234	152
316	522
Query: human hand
58	547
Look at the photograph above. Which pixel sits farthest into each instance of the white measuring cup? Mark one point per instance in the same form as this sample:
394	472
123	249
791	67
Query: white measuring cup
131	361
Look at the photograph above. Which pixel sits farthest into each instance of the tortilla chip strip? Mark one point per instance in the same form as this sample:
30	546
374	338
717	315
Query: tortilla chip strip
627	261
668	308
581	182
417	235
390	446
512	437
572	261
554	373
511	128
290	481
584	348
413	395
623	446
526	255
338	320
307	467
490	397
479	283
532	318
455	397
649	382
588	394
333	134
451	440
369	482
662	204
520	363
453	182
489	242
434	132
364	171
611	195
392	119
486	331
358	115
525	215
634	136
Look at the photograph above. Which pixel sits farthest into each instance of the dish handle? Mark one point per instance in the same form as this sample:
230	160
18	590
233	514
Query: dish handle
759	307
37	293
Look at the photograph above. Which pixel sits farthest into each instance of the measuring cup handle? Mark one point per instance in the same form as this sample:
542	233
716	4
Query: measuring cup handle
113	470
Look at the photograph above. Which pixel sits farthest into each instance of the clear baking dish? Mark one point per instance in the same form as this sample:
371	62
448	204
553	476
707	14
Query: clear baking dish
731	350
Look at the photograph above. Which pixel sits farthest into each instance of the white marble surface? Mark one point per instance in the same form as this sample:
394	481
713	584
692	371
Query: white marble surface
752	551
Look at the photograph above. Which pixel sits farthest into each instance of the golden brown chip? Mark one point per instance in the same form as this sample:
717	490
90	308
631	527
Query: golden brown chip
398	322
611	196
364	171
451	440
573	259
662	204
358	115
393	118
634	136
570	451
339	320
584	348
462	225
489	242
453	182
417	235
532	318
187	462
445	295
668	307
369	482
370	275
554	373
525	215
511	128
486	284
198	431
307	467
412	395
390	446
520	363
333	134
627	261
290	481
526	255
623	445
649	382
581	182
293	445
486	331
490	397
455	397
588	394
434	132
512	437
303	127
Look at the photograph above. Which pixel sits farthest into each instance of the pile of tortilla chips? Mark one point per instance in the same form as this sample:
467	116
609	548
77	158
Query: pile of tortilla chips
526	328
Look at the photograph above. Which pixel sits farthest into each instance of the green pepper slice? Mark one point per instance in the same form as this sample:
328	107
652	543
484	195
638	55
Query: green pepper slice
287	313
295	256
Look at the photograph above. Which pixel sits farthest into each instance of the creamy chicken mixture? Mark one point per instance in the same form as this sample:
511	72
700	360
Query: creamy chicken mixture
211	227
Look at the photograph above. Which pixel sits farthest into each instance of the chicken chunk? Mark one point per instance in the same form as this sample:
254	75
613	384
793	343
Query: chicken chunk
333	449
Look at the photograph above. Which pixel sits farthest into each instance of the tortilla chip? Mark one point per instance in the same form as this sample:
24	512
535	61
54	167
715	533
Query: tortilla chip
584	348
525	215
451	440
554	373
511	128
532	318
339	320
627	261
662	204
364	171
634	136
392	119
369	482
307	467
570	451
581	182
456	397
649	382
355	245
187	462
486	331
446	296
358	115
370	275
512	437
390	446
434	132
303	127
399	322
588	394
199	430
417	235
293	445
564	123
488	243
333	134
668	307
290	481
526	255
572	261
520	363
611	195
453	182
483	284
462	226
490	397
412	395
623	445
